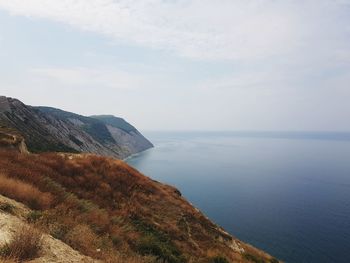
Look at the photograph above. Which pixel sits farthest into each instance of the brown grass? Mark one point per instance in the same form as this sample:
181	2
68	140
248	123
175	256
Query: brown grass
83	239
24	192
8	260
26	244
103	208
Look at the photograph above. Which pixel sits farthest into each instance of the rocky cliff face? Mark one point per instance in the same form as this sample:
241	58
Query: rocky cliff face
48	129
128	137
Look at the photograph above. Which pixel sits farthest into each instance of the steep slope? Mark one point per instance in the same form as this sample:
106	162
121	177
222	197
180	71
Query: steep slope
104	208
13	218
48	129
31	124
128	137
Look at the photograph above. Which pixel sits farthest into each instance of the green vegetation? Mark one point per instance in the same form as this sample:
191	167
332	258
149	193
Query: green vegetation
164	251
37	137
34	216
40	145
157	243
6	207
256	259
116	240
253	258
59	230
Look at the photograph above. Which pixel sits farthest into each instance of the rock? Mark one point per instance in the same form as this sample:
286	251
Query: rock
48	129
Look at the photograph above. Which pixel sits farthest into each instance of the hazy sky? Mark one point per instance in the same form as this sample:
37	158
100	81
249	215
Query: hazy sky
183	64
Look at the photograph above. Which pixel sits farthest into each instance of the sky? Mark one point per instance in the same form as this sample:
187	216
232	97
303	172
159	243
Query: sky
183	64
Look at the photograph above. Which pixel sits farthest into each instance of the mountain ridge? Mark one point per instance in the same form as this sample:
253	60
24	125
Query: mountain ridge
51	129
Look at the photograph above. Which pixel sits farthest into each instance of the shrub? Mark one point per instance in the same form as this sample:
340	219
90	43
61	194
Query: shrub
116	220
33	216
85	206
6	207
164	251
25	193
98	220
25	244
116	240
157	243
253	258
83	239
58	231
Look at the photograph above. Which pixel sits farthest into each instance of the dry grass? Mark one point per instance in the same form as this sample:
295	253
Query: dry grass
105	209
8	260
24	193
25	244
82	238
91	191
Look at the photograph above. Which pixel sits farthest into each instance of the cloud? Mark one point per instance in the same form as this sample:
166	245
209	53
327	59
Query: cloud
87	78
254	64
201	29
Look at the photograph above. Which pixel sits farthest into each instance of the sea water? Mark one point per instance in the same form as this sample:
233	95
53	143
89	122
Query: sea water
287	193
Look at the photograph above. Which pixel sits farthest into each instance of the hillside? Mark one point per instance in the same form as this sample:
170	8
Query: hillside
14	223
107	210
48	129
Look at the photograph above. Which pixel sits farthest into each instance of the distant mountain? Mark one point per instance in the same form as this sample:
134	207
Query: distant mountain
48	129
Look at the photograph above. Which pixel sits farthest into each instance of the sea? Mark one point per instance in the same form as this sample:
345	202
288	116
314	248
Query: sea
287	193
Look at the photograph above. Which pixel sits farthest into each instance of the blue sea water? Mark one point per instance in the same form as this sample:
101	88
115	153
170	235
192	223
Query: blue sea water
285	193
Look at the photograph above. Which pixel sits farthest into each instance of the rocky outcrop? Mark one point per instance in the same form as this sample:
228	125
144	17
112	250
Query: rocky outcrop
48	129
128	137
12	141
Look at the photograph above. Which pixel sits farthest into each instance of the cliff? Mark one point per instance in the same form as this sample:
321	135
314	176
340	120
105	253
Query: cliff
91	208
48	129
108	211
